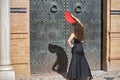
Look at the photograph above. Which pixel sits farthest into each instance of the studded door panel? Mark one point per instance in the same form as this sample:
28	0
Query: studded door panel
49	33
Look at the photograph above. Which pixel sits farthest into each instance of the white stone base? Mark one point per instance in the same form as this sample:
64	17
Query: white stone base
7	75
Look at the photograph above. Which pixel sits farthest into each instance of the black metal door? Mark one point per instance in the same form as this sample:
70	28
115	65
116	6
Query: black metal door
49	31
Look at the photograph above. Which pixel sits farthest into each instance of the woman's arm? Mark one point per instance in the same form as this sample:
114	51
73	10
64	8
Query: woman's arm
76	19
70	39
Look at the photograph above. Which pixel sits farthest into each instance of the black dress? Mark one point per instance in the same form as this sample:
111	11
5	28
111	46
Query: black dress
79	67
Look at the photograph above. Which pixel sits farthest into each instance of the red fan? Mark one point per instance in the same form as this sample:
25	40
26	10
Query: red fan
69	17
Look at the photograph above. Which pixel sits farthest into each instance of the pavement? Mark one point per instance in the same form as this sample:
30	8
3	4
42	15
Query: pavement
97	75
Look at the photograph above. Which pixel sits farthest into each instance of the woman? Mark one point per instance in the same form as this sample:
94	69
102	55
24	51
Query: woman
79	68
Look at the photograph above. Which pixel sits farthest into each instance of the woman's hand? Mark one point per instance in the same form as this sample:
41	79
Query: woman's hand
72	46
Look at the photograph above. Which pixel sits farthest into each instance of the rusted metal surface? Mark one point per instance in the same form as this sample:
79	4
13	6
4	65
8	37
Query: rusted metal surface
49	31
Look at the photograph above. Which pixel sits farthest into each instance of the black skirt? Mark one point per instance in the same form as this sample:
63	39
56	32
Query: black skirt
79	67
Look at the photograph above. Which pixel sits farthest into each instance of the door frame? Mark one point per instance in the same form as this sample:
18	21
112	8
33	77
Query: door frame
106	45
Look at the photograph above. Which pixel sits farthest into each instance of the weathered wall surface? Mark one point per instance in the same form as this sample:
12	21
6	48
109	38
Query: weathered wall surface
20	55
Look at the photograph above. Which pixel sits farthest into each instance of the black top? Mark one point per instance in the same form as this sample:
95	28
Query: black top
77	41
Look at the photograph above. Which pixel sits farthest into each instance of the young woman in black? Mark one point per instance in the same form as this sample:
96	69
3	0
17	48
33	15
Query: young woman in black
79	68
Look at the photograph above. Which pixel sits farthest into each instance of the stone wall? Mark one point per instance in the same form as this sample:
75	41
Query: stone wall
20	51
114	34
111	34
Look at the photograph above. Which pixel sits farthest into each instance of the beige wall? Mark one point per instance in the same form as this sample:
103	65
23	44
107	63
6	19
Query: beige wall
20	38
113	35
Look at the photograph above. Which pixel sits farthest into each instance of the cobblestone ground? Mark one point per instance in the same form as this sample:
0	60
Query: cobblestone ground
97	75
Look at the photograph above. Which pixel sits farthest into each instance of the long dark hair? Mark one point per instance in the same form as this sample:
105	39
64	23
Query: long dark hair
79	31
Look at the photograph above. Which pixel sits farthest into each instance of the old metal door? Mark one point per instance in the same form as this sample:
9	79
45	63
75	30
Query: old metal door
49	31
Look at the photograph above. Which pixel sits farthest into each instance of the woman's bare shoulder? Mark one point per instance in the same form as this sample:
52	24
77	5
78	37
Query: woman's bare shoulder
72	34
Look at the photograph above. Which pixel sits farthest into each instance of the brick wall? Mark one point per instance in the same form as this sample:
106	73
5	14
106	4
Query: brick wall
20	52
113	34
